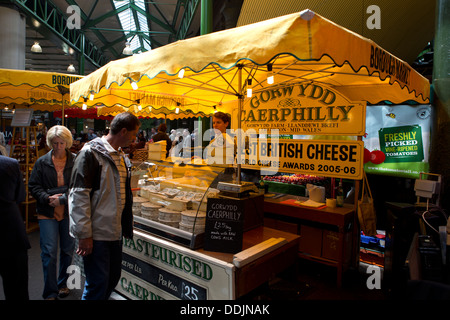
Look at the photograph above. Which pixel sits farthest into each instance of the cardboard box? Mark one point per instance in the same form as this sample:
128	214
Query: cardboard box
156	155
156	147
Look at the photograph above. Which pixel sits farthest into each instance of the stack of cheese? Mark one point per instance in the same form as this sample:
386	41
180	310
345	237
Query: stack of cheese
157	150
150	211
193	221
176	202
137	203
169	217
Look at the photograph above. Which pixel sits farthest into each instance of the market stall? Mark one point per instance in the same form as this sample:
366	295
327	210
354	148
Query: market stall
44	91
298	74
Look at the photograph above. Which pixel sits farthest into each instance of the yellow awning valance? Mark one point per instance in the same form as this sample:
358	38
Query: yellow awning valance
34	89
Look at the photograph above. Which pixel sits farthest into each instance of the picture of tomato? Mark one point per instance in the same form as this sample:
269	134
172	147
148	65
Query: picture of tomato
366	155
377	156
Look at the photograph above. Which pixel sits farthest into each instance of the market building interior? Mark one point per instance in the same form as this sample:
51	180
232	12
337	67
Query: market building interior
405	257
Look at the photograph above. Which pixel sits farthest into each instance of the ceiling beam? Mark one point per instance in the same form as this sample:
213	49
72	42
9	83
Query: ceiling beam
48	15
190	7
98	34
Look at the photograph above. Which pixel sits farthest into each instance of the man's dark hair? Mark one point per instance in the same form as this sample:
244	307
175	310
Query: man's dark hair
222	116
162	127
124	120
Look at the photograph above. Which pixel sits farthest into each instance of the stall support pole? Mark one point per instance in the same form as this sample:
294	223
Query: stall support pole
206	14
62	111
240	103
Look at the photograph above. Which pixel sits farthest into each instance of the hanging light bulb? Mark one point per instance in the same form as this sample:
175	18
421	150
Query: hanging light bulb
181	74
270	78
71	68
249	88
84	107
138	101
91	96
36	48
127	50
134	85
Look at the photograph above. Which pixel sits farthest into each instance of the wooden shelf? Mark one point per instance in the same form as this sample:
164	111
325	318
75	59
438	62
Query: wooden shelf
24	148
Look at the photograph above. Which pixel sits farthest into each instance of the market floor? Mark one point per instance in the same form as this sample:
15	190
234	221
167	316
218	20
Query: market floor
305	281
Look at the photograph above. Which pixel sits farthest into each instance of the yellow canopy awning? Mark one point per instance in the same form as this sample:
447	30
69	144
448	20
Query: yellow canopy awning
300	47
35	89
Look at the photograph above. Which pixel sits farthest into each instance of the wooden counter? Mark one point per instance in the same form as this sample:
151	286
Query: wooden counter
327	235
254	274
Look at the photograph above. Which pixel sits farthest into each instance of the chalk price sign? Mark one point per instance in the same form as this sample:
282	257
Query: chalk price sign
224	225
162	279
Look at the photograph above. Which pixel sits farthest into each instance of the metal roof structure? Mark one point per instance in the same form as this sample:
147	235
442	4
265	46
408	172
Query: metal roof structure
105	26
102	28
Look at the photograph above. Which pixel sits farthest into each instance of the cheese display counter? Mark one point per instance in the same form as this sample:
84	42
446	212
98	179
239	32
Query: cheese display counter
174	253
170	199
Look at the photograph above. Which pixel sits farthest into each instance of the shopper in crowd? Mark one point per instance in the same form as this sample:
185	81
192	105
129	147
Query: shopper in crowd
14	242
42	141
2	139
187	142
3	151
101	209
173	134
194	137
138	144
91	134
153	131
162	135
48	184
177	145
74	134
141	140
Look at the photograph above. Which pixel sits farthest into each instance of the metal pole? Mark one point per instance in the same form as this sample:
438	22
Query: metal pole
81	60
62	112
240	104
205	27
206	17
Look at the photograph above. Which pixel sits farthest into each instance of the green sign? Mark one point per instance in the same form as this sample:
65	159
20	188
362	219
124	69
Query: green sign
398	137
402	144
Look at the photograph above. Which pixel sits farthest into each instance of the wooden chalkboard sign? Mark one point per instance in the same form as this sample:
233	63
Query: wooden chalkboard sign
224	225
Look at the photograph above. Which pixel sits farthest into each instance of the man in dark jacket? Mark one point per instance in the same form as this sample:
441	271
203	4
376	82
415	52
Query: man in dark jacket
13	237
100	205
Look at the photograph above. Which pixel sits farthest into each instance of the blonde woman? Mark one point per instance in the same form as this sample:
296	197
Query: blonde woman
49	182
